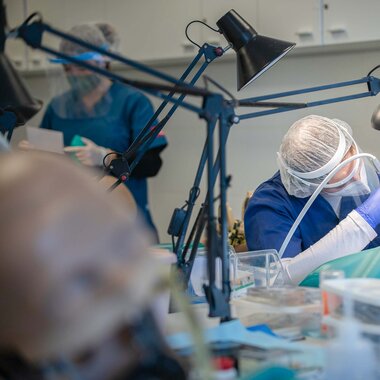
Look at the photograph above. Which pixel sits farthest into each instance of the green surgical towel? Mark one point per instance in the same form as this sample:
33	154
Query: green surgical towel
365	264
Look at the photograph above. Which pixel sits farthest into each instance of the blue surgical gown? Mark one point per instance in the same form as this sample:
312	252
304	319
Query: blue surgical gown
271	212
115	126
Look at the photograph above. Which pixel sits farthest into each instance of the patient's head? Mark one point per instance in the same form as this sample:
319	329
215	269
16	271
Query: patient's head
70	256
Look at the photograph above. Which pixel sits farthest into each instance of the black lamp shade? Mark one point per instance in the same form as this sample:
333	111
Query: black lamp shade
375	120
255	53
14	95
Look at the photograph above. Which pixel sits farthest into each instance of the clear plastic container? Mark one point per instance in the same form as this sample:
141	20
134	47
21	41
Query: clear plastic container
259	269
286	296
240	278
364	294
264	266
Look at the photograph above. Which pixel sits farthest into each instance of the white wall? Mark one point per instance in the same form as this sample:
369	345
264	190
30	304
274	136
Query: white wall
252	144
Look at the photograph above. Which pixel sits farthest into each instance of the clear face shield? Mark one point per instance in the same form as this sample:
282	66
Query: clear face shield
77	92
355	177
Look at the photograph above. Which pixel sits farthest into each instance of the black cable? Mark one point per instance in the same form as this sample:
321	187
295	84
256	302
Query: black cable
173	244
32	16
221	88
375	68
115	185
118	154
196	191
201	22
249	103
26	22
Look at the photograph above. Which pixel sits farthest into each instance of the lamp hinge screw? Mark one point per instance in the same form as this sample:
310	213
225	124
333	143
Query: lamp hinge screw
235	119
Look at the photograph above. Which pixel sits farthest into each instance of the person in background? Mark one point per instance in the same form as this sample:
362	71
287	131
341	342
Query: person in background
106	116
343	219
77	286
110	34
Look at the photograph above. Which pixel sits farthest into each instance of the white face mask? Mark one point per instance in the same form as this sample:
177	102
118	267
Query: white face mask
354	188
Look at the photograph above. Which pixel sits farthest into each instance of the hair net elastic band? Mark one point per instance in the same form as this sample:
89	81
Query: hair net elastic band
335	184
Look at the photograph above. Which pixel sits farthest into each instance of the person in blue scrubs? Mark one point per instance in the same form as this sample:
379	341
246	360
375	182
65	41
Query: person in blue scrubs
106	115
310	150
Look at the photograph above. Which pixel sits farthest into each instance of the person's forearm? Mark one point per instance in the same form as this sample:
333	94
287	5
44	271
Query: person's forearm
351	235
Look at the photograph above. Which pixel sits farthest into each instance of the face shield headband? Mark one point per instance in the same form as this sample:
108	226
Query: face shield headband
329	166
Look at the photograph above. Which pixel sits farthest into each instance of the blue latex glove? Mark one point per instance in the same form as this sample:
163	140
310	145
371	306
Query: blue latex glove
370	209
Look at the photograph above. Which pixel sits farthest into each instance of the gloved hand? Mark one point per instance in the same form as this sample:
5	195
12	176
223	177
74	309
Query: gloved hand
90	154
369	210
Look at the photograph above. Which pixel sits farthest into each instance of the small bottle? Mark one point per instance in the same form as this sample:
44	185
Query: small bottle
225	368
323	276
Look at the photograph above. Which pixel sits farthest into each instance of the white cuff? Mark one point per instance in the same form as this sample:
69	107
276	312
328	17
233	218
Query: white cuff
362	224
351	235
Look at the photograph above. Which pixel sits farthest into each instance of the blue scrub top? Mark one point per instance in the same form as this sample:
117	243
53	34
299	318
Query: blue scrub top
119	120
271	213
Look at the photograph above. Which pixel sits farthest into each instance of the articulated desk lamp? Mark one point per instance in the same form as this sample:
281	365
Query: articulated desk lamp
16	104
255	55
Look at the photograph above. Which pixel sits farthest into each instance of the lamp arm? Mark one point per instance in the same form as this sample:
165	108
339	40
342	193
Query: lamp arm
120	167
209	53
163	104
180	250
185	263
32	33
371	80
373	89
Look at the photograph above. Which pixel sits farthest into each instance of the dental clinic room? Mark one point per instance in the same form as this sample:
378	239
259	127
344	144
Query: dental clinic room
189	190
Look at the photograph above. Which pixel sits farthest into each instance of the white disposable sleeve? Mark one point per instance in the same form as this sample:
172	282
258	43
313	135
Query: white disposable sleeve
351	235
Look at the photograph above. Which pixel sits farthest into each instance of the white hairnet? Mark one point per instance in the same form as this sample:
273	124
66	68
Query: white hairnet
73	264
86	32
312	147
110	34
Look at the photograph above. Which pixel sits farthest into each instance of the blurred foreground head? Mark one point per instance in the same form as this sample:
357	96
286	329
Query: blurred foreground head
70	258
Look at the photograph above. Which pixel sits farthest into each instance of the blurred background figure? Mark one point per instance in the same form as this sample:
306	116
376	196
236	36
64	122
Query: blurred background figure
110	34
74	274
97	116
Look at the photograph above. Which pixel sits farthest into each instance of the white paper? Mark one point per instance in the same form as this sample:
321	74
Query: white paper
45	139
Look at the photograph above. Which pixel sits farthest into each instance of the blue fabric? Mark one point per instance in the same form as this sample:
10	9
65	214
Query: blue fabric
116	129
86	56
347	204
271	213
263	328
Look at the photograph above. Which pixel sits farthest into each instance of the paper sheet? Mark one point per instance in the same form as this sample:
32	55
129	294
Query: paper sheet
45	139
